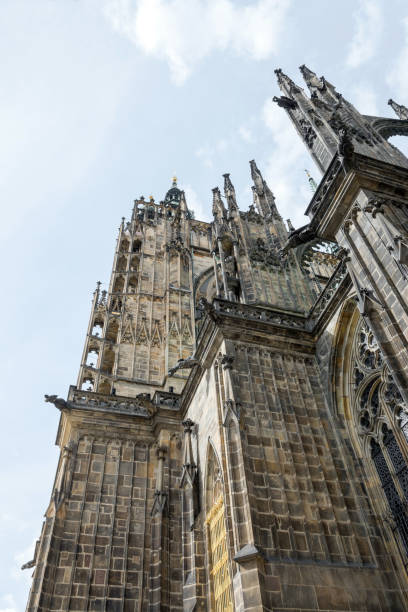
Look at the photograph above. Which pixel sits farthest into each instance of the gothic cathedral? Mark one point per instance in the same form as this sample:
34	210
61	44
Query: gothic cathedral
238	435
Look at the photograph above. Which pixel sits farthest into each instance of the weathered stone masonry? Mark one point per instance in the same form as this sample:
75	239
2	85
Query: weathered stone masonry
238	435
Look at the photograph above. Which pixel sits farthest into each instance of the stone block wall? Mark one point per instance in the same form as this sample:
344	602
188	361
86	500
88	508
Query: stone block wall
301	531
102	549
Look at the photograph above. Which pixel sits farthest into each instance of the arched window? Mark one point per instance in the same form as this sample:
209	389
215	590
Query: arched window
108	360
97	329
133	283
92	358
134	262
124	245
121	265
376	405
398	508
112	330
119	284
217	540
88	383
137	245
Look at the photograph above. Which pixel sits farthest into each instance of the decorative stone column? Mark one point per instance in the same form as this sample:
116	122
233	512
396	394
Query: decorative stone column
217	284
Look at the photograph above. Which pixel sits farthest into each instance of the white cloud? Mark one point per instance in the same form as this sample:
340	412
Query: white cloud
184	32
201	212
365	99
368	28
207	152
9	602
397	78
285	167
246	134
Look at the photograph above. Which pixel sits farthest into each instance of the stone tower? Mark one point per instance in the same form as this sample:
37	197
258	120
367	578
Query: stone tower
237	438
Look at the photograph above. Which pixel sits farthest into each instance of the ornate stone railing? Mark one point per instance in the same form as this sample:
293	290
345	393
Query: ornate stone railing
112	403
166	399
258	313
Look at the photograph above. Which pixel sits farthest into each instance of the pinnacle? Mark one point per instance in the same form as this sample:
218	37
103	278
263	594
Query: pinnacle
285	83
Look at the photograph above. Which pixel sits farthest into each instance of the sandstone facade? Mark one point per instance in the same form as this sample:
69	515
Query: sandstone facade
238	435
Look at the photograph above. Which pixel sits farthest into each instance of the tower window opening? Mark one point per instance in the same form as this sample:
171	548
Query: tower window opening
119	284
132	284
112	331
97	330
121	266
134	263
88	384
137	245
124	245
108	360
92	358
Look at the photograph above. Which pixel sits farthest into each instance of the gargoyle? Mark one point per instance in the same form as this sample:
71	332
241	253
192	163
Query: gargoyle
57	401
184	364
145	401
33	562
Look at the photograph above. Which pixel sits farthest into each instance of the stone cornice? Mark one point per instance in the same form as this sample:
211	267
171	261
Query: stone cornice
104	411
264	327
338	190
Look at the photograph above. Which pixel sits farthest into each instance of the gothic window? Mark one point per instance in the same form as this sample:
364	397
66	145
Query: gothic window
97	329
136	246
378	413
92	358
121	265
132	284
217	540
88	384
119	284
108	360
403	421
124	245
134	262
112	330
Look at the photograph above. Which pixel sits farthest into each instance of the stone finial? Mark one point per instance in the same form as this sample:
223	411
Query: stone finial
312	81
285	83
256	177
229	192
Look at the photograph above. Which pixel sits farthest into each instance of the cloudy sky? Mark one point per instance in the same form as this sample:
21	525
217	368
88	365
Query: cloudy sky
102	101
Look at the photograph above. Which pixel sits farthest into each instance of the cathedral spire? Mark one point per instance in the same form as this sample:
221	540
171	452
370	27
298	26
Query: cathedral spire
311	79
312	182
400	110
319	88
229	191
218	208
263	196
322	119
286	85
183	203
